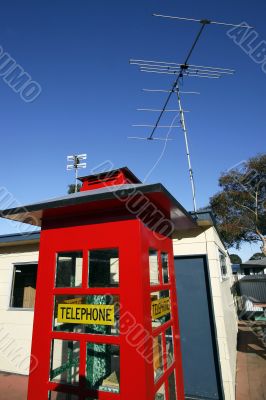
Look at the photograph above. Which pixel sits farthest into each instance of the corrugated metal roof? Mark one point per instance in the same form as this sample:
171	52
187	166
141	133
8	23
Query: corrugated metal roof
254	263
17	237
253	287
252	278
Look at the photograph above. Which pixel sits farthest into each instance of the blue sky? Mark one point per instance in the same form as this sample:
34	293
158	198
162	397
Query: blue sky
78	52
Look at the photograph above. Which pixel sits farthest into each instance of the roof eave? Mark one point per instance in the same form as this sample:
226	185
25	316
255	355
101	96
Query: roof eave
33	213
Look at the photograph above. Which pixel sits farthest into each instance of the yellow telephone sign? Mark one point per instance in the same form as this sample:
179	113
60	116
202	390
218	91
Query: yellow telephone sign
89	314
160	308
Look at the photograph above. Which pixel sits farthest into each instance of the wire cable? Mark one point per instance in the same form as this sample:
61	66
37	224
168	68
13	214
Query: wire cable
163	150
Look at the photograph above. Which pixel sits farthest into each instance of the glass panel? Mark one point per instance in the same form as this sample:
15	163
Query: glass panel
64	362
78	313
223	265
160	308
160	395
103	367
69	269
169	346
157	357
62	396
154	267
164	258
104	268
172	387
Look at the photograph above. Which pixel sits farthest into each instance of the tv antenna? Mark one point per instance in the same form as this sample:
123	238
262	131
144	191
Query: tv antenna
76	164
180	70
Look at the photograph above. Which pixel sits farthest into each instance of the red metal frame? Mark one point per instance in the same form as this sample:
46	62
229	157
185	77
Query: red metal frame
163	244
111	178
133	240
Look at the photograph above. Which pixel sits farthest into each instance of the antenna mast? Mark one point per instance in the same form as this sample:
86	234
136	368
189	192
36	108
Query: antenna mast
184	129
180	70
74	162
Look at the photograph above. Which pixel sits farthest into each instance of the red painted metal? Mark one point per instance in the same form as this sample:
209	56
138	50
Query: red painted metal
134	240
111	178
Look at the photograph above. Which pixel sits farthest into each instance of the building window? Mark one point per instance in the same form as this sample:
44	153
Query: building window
169	346
104	268
69	269
24	286
65	361
154	267
96	314
223	265
103	367
160	395
172	388
164	258
160	308
158	357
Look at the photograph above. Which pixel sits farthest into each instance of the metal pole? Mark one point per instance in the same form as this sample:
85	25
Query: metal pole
76	165
76	162
203	21
183	125
76	179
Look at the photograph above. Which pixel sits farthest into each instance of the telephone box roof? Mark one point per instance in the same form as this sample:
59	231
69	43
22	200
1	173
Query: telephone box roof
125	170
108	198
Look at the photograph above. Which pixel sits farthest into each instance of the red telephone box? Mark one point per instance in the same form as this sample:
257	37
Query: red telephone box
106	319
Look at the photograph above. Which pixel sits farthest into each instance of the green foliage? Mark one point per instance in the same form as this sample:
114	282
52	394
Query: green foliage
257	256
235	259
239	208
71	188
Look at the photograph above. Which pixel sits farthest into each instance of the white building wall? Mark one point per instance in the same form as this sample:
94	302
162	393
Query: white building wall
15	325
208	242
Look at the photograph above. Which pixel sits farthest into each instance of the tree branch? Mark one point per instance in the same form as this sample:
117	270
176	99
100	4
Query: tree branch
248	208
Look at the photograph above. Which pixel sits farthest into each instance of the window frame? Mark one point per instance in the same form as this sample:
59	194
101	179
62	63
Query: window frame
162	253
12	284
222	258
105	288
161	330
98	391
85	290
56	268
158	257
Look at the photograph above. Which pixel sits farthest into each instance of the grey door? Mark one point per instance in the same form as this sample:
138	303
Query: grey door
198	340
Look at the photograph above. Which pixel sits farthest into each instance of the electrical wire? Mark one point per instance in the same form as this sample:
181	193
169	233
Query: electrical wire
163	150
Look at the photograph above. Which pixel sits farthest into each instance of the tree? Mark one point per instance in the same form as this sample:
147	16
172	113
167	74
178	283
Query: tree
240	207
235	259
257	256
71	188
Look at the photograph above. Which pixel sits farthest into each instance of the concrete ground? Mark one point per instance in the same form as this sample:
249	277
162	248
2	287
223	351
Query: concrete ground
251	361
13	387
